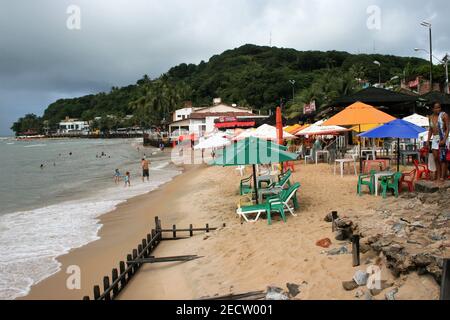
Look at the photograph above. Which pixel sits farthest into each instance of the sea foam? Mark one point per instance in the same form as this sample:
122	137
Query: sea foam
30	241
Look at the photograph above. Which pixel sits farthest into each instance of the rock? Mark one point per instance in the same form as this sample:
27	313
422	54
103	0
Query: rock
324	243
275	293
337	251
364	248
329	217
391	294
360	277
359	293
206	237
399	226
343	223
368	296
349	285
417	224
294	289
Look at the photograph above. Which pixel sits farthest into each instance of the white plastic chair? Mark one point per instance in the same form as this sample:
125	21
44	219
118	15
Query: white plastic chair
309	156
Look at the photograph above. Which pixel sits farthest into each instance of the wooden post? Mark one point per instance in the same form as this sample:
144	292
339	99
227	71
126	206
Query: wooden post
191	233
96	292
174	231
153	236
140	249
445	283
105	287
207	227
334	216
131	271
355	251
114	277
144	245
149	239
156	223
135	267
123	279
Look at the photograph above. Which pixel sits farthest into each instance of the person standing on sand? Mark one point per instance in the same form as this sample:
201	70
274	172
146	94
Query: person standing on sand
117	176
127	179
145	169
438	134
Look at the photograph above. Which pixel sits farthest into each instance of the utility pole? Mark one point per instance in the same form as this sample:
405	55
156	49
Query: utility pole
428	25
292	82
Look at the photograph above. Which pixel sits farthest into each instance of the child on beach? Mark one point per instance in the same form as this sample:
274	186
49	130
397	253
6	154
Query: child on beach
127	179
117	176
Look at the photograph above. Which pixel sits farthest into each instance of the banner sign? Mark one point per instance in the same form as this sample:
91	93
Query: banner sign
309	107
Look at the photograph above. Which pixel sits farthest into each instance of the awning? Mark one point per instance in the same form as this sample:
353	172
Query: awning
235	124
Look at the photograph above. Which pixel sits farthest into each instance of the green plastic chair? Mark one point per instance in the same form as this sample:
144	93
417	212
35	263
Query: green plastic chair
286	196
283	180
391	183
362	181
245	186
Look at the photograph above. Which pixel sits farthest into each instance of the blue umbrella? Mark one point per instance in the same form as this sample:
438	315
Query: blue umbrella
399	129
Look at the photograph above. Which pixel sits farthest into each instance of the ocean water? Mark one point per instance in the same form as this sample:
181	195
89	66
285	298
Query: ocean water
46	212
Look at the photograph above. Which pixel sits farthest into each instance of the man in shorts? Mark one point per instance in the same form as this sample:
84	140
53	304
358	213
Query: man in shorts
145	169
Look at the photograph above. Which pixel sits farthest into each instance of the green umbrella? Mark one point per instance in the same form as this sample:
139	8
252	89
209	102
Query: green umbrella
253	151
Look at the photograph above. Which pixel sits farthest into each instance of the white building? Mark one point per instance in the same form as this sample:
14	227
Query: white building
73	126
200	121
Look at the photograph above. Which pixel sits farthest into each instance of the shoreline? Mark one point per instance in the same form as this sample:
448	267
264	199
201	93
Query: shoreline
98	257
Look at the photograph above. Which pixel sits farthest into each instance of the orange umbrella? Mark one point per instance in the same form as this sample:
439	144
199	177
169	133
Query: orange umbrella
359	114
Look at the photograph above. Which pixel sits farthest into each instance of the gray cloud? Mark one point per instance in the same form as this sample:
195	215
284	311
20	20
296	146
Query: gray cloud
119	41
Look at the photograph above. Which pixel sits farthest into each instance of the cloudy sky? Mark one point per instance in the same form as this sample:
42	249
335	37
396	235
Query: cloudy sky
41	59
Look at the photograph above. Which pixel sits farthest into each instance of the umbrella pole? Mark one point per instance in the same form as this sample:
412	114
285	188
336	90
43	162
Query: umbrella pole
255	185
398	155
360	152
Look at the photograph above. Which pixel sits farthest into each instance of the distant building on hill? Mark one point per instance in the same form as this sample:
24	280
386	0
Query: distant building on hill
73	126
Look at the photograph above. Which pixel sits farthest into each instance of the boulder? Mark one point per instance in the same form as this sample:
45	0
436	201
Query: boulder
349	285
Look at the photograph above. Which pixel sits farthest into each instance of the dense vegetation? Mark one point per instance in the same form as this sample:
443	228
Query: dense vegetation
249	76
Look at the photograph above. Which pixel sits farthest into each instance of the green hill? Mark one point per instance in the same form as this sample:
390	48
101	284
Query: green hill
250	75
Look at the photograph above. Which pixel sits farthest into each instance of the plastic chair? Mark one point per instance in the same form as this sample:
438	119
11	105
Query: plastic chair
245	186
408	180
363	182
309	156
391	183
289	165
422	170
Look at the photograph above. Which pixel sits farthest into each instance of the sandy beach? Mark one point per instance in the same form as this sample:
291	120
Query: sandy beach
238	258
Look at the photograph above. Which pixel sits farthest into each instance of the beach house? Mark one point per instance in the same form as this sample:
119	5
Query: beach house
200	121
73	126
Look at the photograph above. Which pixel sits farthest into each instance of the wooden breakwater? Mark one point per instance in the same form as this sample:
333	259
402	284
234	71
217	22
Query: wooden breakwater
121	276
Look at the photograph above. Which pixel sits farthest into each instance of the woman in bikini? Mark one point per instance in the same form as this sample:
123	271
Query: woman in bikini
438	134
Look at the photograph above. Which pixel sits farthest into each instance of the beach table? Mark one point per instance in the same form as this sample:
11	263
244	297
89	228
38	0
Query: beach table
324	152
406	154
379	175
341	163
369	153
